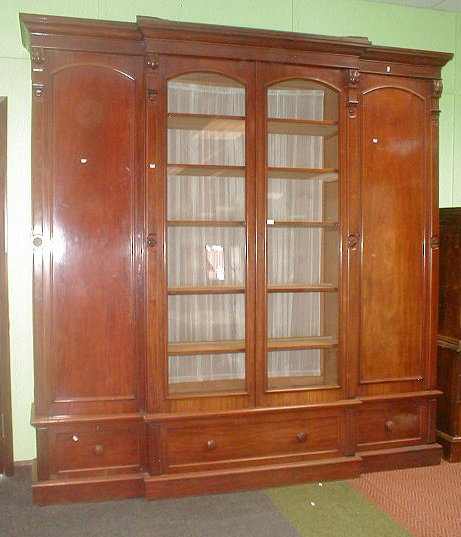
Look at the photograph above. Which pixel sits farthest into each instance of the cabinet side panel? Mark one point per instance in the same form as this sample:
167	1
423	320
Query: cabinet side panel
93	309
393	221
450	278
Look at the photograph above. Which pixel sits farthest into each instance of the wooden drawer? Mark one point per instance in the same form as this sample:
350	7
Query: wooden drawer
250	440
95	449
391	424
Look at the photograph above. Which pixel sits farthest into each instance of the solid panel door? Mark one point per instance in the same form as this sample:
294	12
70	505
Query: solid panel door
396	192
87	237
201	165
300	221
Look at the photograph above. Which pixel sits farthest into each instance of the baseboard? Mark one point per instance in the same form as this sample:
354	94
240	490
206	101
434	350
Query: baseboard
87	489
174	485
406	457
451	446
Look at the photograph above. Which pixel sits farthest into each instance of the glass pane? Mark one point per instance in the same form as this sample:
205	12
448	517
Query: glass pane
307	255
296	314
303	234
206	146
206	198
300	200
201	256
302	99
206	93
206	237
295	151
302	368
206	372
206	317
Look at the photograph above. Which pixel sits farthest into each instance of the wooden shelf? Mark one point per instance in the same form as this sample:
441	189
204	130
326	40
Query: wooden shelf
304	127
304	223
234	346
206	347
299	343
302	288
207	290
205	170
206	223
328	175
202	122
207	386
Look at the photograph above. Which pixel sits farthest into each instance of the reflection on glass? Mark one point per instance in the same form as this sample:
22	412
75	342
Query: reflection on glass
206	256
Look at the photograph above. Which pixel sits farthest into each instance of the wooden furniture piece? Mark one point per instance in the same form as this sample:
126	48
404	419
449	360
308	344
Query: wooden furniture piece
449	338
235	256
6	432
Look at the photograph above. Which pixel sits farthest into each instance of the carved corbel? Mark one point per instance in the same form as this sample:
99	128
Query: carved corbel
152	95
353	78
436	92
152	64
38	60
37	90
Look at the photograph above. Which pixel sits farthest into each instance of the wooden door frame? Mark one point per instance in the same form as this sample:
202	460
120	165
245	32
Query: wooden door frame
6	434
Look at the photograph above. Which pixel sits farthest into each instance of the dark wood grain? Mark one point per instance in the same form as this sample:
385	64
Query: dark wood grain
6	432
449	362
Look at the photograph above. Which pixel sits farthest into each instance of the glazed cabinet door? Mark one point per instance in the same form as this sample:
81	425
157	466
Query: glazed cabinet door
87	219
302	137
398	264
201	225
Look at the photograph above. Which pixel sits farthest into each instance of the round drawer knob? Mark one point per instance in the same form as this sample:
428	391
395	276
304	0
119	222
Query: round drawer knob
99	449
75	438
210	444
390	425
301	436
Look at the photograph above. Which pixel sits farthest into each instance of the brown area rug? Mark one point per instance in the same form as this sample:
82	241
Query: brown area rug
425	501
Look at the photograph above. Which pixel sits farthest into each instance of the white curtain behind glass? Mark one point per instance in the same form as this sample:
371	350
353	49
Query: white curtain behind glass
294	254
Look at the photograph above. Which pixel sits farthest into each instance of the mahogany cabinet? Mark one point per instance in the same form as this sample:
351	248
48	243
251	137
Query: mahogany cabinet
235	257
449	336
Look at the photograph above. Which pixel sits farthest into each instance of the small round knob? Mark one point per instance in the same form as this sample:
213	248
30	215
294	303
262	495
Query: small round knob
210	444
151	240
301	436
99	449
75	438
390	425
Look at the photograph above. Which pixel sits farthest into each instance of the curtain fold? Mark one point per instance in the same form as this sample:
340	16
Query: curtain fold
294	254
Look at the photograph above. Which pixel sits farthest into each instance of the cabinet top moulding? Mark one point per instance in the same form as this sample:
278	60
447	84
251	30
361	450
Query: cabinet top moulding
155	35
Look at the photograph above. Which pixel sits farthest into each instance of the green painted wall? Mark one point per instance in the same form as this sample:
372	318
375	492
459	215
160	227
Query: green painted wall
384	24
